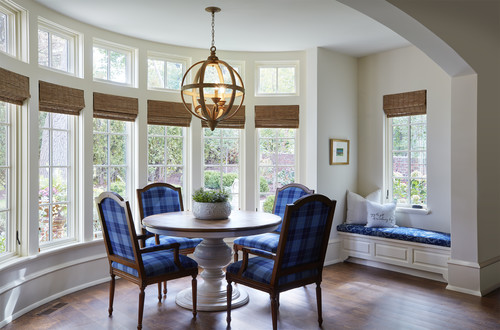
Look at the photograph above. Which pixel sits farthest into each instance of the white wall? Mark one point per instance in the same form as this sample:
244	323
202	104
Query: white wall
403	70
337	119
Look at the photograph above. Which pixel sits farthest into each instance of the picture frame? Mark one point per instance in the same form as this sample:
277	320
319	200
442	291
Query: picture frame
339	152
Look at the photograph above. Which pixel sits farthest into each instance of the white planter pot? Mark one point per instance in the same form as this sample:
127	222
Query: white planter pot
211	211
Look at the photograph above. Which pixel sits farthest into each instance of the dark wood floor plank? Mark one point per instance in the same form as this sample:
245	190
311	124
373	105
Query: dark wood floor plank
354	297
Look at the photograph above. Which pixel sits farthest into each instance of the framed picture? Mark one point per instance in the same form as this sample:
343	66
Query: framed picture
339	152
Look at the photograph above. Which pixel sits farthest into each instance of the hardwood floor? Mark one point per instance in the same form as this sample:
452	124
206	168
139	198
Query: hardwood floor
354	297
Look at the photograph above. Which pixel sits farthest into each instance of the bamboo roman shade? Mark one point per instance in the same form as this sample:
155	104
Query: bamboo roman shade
236	121
276	116
406	104
168	113
60	99
14	88
107	106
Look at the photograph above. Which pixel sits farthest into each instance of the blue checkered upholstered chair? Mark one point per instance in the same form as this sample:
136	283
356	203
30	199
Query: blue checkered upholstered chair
298	259
142	266
158	198
269	241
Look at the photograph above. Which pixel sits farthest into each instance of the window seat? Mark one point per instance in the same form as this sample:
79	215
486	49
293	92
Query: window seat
414	251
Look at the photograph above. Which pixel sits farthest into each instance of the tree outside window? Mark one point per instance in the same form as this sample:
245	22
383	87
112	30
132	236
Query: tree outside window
165	74
409	160
277	157
277	80
112	64
4	32
53	50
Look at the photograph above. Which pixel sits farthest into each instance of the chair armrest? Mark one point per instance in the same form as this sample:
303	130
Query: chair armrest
142	239
260	253
174	246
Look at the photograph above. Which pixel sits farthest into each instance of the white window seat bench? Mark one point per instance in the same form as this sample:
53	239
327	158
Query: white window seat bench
414	251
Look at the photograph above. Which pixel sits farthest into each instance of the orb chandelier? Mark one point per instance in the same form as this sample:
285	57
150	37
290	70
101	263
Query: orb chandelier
215	87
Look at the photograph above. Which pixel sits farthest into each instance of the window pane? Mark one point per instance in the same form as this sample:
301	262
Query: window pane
156	130
44	119
100	125
286	152
230	152
44	223
285	175
418	191
117	126
418	137
156	174
174	151
59	58
267	80
59	221
3	231
267	152
419	164
174	75
286	80
3	33
59	185
400	190
212	152
100	149
117	178
174	130
60	148
400	120
44	146
418	119
4	146
59	121
400	164
173	175
43	186
156	150
400	137
118	149
3	112
117	67
100	180
4	174
100	63
156	73
43	48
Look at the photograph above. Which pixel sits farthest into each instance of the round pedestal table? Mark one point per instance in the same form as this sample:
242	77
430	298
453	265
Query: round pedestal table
212	254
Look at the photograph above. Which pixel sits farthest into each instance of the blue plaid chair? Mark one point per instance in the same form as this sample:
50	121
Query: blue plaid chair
269	241
158	198
144	266
298	259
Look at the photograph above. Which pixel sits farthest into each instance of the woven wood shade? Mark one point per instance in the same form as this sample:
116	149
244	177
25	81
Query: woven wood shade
276	116
14	88
60	99
115	107
406	104
168	113
236	121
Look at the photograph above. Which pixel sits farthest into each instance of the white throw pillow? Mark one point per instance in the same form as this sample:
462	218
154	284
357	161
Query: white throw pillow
381	215
356	206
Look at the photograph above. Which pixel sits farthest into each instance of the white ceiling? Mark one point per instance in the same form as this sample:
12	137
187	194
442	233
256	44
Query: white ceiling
256	25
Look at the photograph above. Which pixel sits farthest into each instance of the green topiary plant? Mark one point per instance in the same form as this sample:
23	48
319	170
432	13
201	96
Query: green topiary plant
268	204
210	196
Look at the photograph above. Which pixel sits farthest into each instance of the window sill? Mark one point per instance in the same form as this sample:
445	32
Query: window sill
410	210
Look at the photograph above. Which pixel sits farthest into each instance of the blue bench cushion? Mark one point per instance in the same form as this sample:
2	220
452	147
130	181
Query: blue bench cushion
185	243
402	233
266	242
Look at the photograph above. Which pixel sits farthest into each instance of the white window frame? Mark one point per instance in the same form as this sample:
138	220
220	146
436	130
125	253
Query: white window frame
13	117
17	29
276	65
73	226
241	192
129	132
388	182
130	63
184	156
75	46
185	61
258	166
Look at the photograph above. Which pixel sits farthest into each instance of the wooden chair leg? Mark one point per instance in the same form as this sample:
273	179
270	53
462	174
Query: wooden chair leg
141	307
165	287
274	310
194	289
159	292
235	248
229	299
111	294
318	302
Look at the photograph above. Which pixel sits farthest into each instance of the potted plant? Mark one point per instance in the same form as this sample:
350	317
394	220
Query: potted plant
211	204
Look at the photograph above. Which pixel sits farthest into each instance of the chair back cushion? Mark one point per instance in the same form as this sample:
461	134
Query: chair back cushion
307	231
159	199
114	217
287	196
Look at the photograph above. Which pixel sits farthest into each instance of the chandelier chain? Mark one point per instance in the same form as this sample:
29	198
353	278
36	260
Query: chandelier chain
213	29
